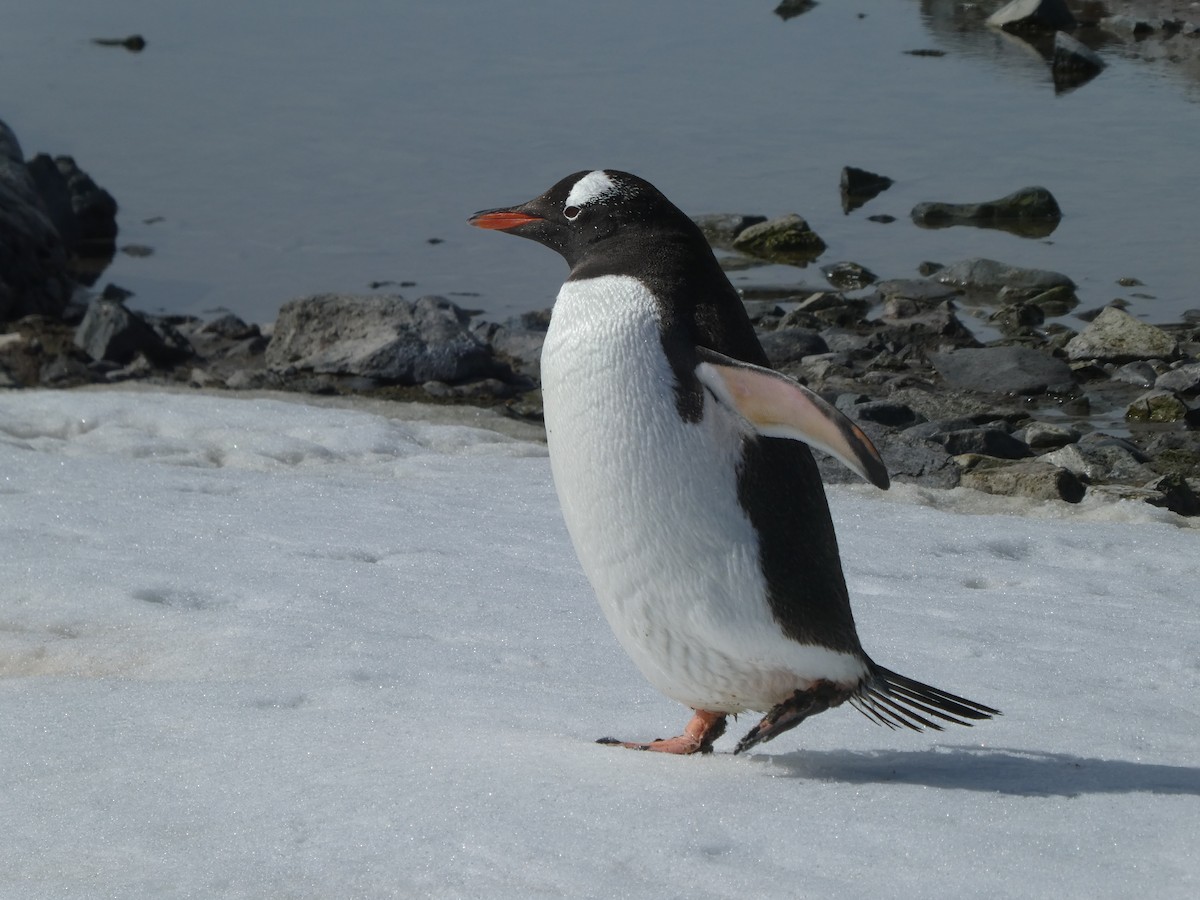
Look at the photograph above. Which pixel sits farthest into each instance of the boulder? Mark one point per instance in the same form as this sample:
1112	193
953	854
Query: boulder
1030	212
1049	436
385	338
720	229
1184	380
1116	336
1157	406
984	441
1073	62
989	275
34	277
1032	15
112	333
1003	370
785	239
1031	478
1100	457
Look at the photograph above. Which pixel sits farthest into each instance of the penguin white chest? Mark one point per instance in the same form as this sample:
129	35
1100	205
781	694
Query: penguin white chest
651	503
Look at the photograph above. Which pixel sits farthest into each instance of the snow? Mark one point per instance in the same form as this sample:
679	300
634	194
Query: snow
261	648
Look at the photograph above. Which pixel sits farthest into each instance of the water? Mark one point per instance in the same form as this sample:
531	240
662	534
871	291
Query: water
298	147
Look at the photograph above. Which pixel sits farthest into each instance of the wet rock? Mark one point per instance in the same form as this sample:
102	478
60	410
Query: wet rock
1174	453
921	291
1032	478
83	212
1167	492
884	412
1004	370
1183	380
1116	336
386	338
786	239
1157	406
1032	15
113	333
790	345
1139	373
1030	212
848	276
135	43
858	186
789	9
1073	63
989	275
720	229
230	327
1055	302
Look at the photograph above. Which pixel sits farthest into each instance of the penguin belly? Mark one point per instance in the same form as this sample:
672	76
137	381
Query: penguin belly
651	504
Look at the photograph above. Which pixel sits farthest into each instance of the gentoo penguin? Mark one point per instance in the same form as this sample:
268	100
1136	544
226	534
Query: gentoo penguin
681	464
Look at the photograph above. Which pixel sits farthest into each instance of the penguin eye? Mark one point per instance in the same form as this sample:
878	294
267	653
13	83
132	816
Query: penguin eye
572	213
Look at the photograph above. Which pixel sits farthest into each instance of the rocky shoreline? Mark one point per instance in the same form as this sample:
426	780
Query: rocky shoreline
978	374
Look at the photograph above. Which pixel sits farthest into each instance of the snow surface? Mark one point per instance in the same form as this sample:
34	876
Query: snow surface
257	648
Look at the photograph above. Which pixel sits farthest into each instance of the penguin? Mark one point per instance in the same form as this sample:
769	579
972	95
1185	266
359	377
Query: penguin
682	464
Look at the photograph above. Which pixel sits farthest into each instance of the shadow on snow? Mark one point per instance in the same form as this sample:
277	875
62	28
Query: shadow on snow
999	770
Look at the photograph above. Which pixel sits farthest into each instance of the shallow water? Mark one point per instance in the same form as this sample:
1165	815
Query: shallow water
294	148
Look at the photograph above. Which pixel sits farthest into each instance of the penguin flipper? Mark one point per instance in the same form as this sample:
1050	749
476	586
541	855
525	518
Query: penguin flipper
777	406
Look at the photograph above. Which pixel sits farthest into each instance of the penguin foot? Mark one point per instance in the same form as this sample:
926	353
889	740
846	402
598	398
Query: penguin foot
791	712
698	736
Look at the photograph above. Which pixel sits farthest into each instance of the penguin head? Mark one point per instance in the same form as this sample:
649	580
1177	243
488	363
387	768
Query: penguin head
584	211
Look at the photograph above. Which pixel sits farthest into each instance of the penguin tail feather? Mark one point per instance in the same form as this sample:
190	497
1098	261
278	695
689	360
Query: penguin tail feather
891	699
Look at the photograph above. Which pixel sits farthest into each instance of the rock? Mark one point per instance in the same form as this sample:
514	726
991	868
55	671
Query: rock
115	334
1031	478
986	441
1099	458
786	239
884	412
923	292
1183	380
789	9
720	229
1073	63
1139	373
1030	212
1157	406
385	338
1004	370
790	345
34	276
1048	436
848	276
1032	15
520	347
1116	336
1175	494
230	327
989	275
858	186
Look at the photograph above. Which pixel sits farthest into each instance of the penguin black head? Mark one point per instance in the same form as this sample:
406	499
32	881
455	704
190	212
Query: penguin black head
586	210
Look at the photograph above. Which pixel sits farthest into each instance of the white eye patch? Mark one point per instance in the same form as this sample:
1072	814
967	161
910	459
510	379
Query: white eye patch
590	188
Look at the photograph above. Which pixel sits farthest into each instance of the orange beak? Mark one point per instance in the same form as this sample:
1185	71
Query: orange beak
501	219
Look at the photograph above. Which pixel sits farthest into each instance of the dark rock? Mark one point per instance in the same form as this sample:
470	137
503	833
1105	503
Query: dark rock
790	345
135	43
928	431
720	229
34	278
385	338
1004	370
1029	212
994	442
882	218
789	9
885	412
113	333
1073	63
858	186
989	275
1116	336
1031	478
923	293
231	327
848	276
1183	380
88	223
786	239
1032	15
